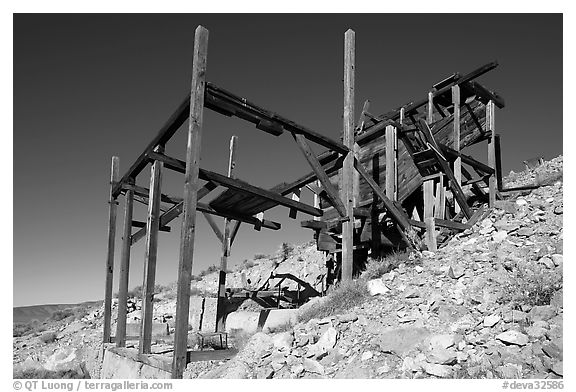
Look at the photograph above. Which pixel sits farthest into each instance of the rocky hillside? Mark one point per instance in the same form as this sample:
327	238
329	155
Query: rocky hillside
487	304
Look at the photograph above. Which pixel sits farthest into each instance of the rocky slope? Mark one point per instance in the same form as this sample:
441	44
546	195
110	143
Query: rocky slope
487	304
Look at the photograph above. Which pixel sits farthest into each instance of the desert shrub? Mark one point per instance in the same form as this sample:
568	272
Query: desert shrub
238	338
343	297
375	268
259	256
48	337
247	264
22	329
60	315
208	270
287	326
285	250
531	285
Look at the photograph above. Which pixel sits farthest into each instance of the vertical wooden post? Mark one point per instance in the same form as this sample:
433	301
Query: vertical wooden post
114	178
317	199
498	156
347	188
374	217
491	152
225	244
440	206
150	254
456	138
402	115
191	186
391	163
428	198
124	268
431	234
430	118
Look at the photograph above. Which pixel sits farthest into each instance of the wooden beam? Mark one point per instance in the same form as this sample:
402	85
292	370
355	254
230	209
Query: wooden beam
397	215
150	255
391	163
296	197
234	231
442	223
428	187
144	192
174	212
140	224
431	234
347	188
255	114
192	167
375	234
477	165
440	206
484	94
114	177
241	186
456	189
226	243
430	117
456	138
498	162
214	226
175	121
124	270
331	192
491	153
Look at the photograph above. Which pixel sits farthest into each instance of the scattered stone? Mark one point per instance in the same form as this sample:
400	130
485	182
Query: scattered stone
455	272
312	366
419	269
283	340
559	210
442	341
326	343
297	369
510	371
442	356
557	259
508	206
548	263
348	318
492	320
544	312
383	369
521	202
557	368
499	236
513	337
366	355
525	231
377	287
401	340
437	370
552	350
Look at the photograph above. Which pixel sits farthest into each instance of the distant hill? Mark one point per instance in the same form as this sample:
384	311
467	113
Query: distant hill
24	314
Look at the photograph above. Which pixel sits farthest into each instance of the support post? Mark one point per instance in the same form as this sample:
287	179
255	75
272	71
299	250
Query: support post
431	234
428	199
114	177
440	206
374	217
491	152
347	187
430	117
317	199
226	244
391	162
124	268
456	138
191	186
498	168
150	253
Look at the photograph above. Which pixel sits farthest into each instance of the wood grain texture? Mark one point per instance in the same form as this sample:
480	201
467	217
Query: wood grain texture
114	177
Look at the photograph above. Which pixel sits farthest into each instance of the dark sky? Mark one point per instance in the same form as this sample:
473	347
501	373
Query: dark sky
87	87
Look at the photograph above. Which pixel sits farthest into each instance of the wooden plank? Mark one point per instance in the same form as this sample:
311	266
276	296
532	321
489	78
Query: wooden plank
479	213
140	224
498	162
477	165
144	192
428	188
440	198
331	192
190	201
296	197
150	255
226	243
166	132
313	224
442	223
256	114
114	177
398	216
430	117
174	212
456	138
214	226
456	189
391	163
485	95
347	188
431	234
376	242
238	185
124	270
491	153
316	196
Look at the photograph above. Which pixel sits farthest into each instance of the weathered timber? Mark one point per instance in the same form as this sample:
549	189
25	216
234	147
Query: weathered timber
347	189
141	224
238	185
491	152
441	223
498	162
214	226
191	187
124	270
320	174
428	189
456	138
114	176
391	163
431	234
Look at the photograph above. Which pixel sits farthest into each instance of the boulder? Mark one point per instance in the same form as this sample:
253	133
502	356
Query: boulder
312	366
377	287
326	343
66	358
283	341
492	320
437	370
544	312
513	337
401	340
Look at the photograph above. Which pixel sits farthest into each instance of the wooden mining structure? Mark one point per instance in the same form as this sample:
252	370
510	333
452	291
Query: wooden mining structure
392	180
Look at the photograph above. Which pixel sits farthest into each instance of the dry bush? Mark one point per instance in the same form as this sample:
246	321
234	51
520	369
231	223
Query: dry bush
41	373
343	297
375	268
531	285
48	337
